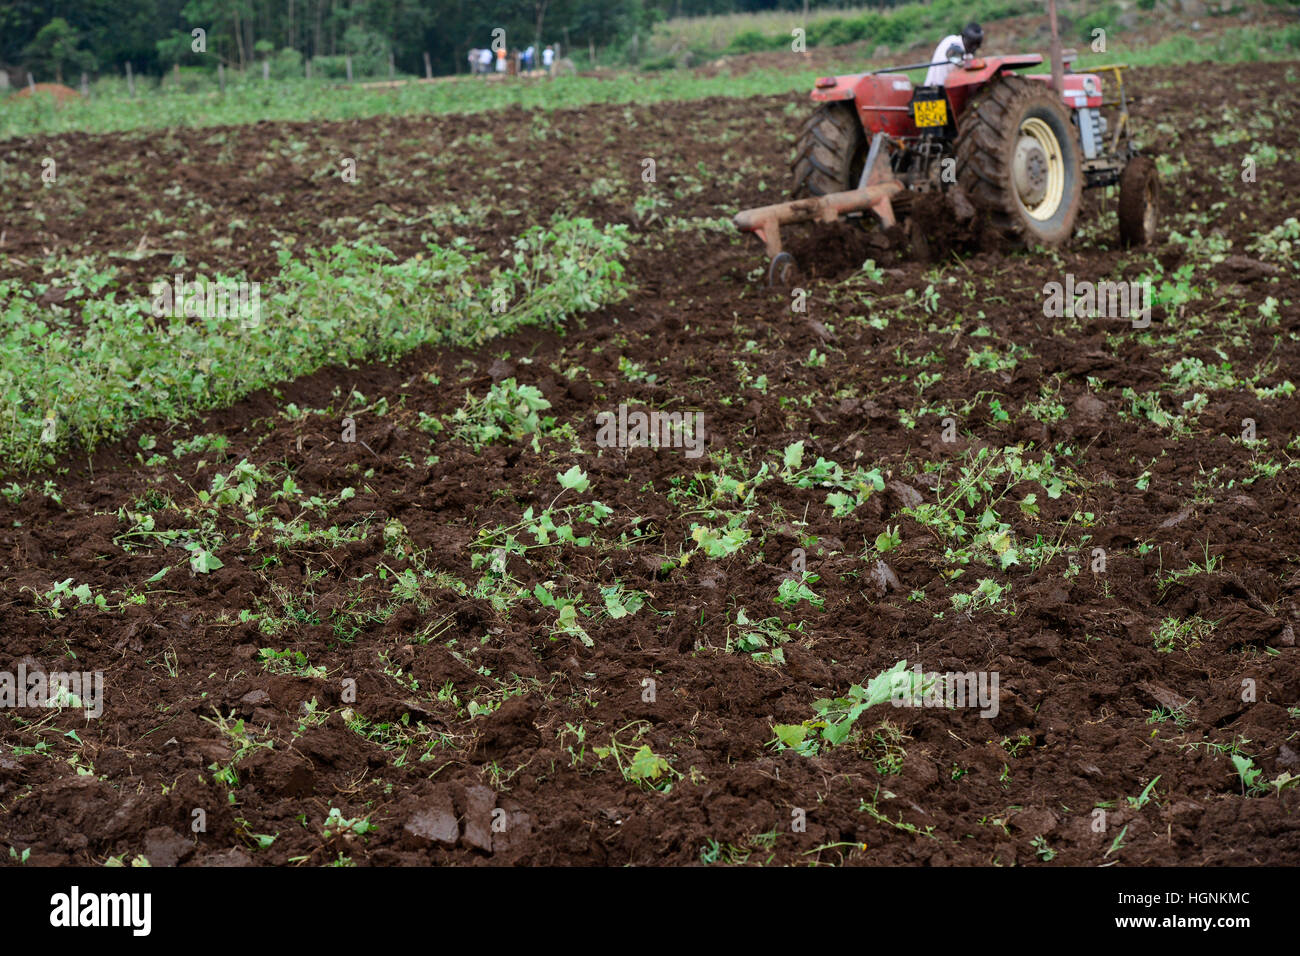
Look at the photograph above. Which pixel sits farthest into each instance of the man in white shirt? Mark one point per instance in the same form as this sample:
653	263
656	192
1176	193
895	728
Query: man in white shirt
548	58
958	45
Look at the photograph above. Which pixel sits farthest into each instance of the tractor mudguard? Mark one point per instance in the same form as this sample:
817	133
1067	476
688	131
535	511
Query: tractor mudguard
827	89
981	69
881	100
969	78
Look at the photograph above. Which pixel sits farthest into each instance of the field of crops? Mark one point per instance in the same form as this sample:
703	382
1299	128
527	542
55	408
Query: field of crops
374	575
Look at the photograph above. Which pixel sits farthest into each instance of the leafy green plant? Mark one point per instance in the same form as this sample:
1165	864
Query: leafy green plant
63	594
288	662
836	716
638	763
242	742
987	595
507	413
566	623
888	540
1252	778
115	364
621	603
853	488
965	513
1045	852
793	590
1249	774
720	542
761	638
337	825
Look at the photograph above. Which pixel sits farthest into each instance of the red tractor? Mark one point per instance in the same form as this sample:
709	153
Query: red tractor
1009	147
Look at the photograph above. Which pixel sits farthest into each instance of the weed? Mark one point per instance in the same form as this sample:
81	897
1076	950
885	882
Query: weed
1172	634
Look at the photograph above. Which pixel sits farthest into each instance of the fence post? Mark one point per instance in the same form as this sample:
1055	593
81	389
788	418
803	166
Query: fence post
31	83
85	85
308	68
428	66
392	67
130	79
266	70
349	64
221	76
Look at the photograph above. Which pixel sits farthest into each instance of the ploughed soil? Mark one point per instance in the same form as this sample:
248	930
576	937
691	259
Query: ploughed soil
467	725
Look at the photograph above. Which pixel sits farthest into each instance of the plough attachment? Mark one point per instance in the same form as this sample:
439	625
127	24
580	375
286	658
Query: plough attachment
874	191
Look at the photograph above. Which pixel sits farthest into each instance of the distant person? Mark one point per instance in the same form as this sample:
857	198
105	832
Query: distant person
485	61
473	61
530	54
548	58
501	60
958	45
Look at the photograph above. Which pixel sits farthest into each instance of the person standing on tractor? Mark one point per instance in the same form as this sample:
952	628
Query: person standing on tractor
957	45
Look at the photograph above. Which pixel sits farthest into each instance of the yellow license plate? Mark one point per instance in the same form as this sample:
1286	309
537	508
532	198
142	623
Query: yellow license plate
930	112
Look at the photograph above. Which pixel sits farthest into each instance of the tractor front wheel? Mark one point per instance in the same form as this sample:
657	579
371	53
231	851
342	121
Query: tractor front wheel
1139	200
830	151
1018	160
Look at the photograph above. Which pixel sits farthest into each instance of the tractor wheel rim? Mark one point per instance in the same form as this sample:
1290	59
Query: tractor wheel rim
1044	207
1030	171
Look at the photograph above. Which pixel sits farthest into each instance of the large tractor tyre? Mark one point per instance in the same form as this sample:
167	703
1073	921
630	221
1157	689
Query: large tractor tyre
830	152
1018	161
1139	202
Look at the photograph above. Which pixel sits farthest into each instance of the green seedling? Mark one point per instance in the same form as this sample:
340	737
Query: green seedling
1142	799
836	716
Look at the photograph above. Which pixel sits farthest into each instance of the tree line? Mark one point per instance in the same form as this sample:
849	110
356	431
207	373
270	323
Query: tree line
56	38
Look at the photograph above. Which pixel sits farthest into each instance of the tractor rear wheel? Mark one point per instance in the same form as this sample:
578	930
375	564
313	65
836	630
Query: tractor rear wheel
1139	202
1018	160
830	151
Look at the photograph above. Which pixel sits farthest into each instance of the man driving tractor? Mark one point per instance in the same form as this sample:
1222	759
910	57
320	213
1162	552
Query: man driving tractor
956	45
